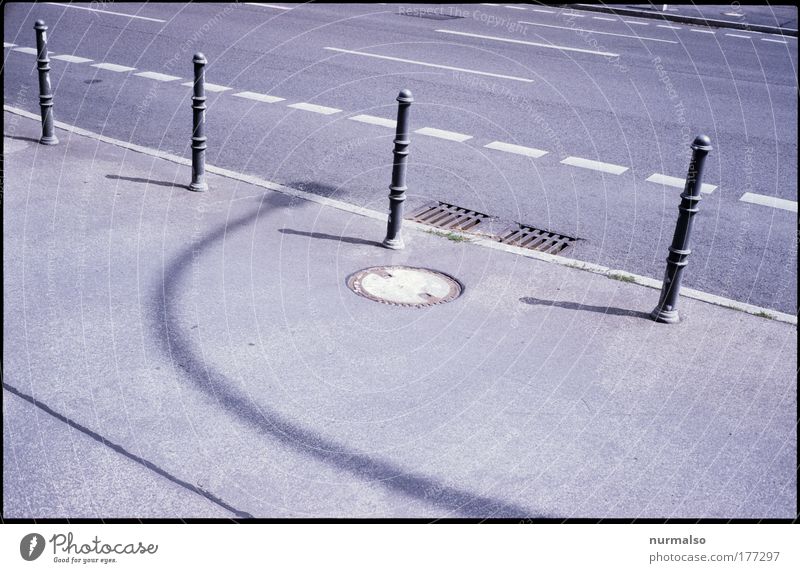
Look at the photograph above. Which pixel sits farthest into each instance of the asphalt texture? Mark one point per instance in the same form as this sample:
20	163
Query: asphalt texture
208	341
639	109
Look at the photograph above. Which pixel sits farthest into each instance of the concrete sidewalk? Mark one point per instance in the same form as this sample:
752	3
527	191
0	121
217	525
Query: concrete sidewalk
212	340
770	19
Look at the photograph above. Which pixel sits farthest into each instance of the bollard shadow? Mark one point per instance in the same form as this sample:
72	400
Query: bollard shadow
326	236
587	307
146	181
21	138
317	188
226	393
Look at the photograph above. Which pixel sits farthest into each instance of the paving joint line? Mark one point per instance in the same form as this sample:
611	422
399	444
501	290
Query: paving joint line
408	224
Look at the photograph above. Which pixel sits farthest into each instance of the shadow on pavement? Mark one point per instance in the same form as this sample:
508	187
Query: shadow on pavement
21	138
587	307
337	238
224	392
147	181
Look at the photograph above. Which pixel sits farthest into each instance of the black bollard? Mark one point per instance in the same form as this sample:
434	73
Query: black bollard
199	125
45	92
679	252
397	190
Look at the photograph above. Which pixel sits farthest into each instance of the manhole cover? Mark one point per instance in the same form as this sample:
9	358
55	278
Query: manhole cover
404	286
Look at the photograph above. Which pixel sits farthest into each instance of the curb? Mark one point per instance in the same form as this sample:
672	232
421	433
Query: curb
372	214
684	19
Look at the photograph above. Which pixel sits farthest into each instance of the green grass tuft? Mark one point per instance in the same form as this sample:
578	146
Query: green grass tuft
623	278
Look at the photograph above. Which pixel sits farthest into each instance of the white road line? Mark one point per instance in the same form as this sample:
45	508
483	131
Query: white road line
573	15
72	59
156	76
636	23
430	65
595	165
677	182
596	32
209	87
315	108
767	201
374	120
110	13
442	134
512	41
738	36
668	27
259	97
702	31
7	45
518	149
516	7
113	67
604	18
542	11
268	5
774	41
26	50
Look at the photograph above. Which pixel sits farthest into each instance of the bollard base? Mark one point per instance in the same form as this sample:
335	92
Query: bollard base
198	187
49	140
394	244
665	316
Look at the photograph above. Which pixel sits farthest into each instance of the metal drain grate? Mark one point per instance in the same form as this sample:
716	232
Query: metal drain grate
536	239
429	14
446	216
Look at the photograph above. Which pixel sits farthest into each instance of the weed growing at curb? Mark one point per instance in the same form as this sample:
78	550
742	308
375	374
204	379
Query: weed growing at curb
764	314
623	278
455	237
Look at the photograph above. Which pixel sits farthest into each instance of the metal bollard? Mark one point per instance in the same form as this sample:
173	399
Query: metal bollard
199	125
397	190
679	252
45	92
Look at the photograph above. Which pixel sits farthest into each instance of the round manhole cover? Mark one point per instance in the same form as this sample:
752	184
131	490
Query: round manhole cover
404	286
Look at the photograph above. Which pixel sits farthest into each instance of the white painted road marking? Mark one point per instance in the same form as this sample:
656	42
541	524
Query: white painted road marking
596	32
738	36
595	165
110	13
442	134
668	27
512	41
771	40
156	76
209	87
315	108
430	65
604	18
677	182
374	120
542	11
516	7
259	97
268	5
518	149
72	59
637	23
26	50
702	31
767	201
113	67
7	45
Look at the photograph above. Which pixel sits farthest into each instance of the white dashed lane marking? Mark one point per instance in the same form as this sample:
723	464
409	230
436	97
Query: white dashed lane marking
517	7
374	120
677	182
768	201
31	51
113	67
264	98
774	41
156	76
702	31
542	11
107	12
518	149
72	59
596	32
268	5
603	18
7	45
536	44
636	23
209	87
594	165
429	65
668	27
315	108
442	134
738	36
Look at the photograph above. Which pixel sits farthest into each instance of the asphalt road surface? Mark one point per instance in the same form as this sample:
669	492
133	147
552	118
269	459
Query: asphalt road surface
603	107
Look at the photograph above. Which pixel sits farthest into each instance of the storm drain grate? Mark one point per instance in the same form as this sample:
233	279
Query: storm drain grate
433	14
446	216
536	239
